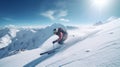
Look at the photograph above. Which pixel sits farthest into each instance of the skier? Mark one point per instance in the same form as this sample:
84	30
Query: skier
62	34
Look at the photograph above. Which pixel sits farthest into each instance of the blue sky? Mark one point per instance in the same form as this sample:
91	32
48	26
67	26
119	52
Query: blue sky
42	12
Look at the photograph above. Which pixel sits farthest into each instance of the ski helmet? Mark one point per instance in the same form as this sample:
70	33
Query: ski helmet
55	30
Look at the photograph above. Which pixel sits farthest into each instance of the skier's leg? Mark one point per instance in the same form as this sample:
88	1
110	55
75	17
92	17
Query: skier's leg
63	39
60	42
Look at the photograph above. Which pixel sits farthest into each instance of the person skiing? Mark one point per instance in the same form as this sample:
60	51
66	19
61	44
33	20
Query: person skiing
62	34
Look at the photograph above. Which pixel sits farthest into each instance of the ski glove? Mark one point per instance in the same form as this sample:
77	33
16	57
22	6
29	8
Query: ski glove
54	42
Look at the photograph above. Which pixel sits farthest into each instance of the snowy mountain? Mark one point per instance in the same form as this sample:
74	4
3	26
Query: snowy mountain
112	18
98	23
86	46
13	39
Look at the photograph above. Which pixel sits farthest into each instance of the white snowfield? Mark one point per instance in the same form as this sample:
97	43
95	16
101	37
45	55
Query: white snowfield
86	46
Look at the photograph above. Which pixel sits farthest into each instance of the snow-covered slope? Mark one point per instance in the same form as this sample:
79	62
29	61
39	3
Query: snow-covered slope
95	46
99	50
13	39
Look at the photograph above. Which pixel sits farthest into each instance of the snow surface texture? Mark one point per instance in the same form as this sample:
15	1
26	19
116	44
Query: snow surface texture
87	46
13	40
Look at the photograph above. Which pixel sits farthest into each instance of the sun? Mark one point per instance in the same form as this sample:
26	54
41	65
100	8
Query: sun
100	4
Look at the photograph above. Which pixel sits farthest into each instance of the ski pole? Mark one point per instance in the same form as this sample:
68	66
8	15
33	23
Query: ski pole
53	46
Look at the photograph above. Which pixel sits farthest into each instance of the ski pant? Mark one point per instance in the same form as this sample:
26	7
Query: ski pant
63	39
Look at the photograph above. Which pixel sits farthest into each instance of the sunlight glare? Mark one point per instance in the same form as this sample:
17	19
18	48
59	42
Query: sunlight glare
100	4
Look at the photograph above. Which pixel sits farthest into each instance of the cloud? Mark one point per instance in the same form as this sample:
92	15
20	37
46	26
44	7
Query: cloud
58	15
64	20
49	14
62	13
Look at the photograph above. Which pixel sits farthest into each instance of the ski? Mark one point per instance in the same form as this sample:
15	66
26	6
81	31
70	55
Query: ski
50	51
